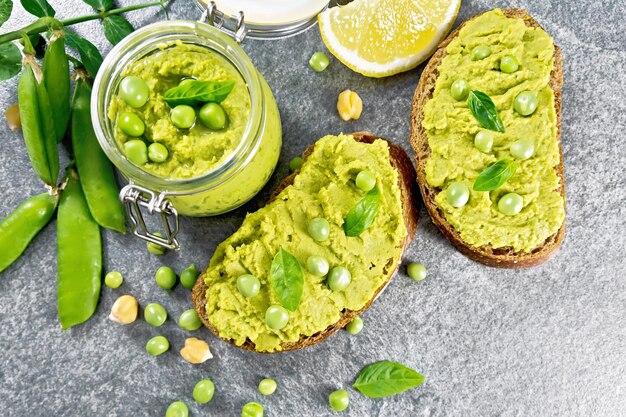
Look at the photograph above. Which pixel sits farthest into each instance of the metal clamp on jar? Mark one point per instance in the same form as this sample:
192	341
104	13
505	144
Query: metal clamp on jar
241	173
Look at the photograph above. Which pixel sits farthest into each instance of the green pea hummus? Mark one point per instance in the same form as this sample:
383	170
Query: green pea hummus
196	151
451	128
324	188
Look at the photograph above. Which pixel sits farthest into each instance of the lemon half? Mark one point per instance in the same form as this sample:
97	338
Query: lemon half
378	38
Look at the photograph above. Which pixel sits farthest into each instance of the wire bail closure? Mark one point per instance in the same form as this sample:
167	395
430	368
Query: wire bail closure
233	26
135	198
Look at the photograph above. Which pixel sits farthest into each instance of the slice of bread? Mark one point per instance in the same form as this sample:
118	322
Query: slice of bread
402	163
505	257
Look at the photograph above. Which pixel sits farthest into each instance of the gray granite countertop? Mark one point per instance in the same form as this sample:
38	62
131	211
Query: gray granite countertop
546	341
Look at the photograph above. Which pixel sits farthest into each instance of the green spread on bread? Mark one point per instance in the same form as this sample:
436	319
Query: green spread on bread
324	188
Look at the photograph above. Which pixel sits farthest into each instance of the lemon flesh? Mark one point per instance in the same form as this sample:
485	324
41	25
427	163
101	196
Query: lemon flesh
378	38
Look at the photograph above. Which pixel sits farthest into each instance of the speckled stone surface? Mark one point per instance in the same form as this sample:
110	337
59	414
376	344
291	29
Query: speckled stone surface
548	341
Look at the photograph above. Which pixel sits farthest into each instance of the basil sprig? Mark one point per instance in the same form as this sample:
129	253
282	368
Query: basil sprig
287	279
363	214
386	378
198	92
484	111
495	175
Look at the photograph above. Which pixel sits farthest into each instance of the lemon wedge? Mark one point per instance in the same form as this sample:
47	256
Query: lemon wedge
378	38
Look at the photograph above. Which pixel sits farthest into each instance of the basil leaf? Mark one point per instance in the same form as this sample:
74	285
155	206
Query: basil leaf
6	7
116	28
386	378
101	5
198	92
287	279
484	111
495	175
10	61
39	8
89	54
363	214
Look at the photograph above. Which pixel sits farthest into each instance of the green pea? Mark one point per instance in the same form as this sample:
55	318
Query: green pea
365	180
177	409
156	249
186	81
522	149
317	265
459	89
295	164
319	229
252	410
525	103
267	386
355	326
457	194
248	285
319	61
134	91
183	116
510	204
213	116
189	276
154	314
157	345
480	52
203	391
509	64
276	317
157	152
339	400
417	271
483	141
189	320
113	279
131	124
136	151
339	278
165	277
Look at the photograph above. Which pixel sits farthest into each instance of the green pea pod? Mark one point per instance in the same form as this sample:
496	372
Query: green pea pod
94	169
28	99
22	225
46	118
56	78
79	251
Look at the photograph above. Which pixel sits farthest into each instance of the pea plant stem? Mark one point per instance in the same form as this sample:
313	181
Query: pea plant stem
43	24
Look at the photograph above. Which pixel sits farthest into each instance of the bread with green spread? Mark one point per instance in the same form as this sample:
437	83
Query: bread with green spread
323	187
443	132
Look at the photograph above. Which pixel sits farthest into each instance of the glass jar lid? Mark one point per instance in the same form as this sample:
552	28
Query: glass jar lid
271	19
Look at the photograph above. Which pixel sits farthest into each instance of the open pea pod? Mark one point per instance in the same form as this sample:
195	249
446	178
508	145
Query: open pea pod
79	256
56	78
19	228
95	171
38	122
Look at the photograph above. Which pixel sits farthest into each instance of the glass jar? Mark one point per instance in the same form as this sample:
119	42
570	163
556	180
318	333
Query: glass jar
231	183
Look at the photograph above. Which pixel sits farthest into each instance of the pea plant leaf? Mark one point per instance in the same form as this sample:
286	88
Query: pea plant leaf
10	61
116	28
100	5
89	54
495	175
363	214
198	92
386	378
6	7
287	279
484	110
39	8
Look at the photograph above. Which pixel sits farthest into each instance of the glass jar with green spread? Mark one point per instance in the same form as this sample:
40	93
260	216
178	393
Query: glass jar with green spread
199	171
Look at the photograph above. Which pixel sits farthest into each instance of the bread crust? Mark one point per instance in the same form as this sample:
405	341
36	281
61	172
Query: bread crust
501	257
410	205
